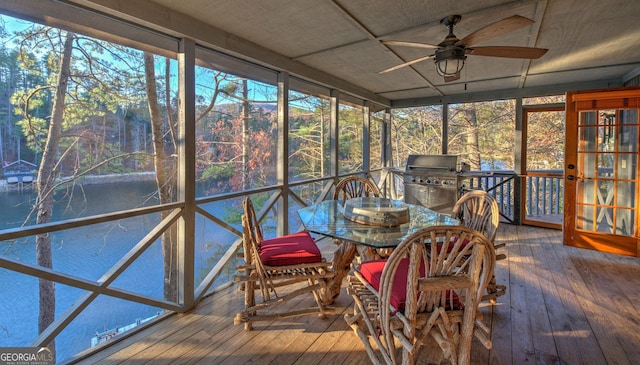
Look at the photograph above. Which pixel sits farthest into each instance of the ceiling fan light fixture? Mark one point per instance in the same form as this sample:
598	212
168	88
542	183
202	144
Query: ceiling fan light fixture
449	62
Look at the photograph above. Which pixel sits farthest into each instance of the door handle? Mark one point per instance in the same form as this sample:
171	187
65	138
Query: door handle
571	177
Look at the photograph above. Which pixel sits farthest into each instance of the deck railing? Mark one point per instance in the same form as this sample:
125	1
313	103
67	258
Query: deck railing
544	194
500	184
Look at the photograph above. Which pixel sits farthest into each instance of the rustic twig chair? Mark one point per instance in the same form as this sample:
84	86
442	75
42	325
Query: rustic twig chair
276	267
426	292
479	210
353	187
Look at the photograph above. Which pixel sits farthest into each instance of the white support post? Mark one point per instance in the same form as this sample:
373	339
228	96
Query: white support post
186	172
283	153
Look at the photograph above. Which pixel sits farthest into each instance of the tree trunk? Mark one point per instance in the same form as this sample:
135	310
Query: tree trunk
472	146
44	186
245	135
165	180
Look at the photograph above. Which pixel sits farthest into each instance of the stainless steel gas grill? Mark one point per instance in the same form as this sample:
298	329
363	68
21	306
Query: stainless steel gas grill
434	181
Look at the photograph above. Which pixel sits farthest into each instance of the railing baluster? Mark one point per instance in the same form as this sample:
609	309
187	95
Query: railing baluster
508	203
529	187
543	196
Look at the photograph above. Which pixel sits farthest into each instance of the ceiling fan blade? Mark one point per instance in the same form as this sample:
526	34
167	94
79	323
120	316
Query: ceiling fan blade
409	44
496	29
508	52
406	64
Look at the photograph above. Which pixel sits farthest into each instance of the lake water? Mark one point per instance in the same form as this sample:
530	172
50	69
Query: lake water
89	253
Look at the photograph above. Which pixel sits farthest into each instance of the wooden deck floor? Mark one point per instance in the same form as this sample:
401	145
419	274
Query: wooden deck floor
563	306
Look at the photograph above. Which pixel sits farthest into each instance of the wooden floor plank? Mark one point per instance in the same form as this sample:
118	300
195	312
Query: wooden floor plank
560	304
347	350
296	343
573	299
523	350
597	307
500	313
617	301
593	332
191	335
563	305
336	332
237	345
540	289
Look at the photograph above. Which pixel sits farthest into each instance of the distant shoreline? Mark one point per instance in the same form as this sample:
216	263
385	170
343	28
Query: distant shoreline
89	179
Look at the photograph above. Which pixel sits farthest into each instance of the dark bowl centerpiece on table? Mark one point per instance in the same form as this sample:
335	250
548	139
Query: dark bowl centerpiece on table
376	211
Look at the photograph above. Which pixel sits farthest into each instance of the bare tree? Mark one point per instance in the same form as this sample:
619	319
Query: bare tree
45	184
165	168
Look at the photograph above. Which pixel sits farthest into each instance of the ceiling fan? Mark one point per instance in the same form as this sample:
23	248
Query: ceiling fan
451	53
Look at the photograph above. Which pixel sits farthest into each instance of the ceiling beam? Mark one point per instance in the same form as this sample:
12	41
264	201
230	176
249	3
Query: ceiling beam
372	36
506	94
533	38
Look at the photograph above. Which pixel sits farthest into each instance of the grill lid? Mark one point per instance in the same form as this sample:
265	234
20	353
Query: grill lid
432	163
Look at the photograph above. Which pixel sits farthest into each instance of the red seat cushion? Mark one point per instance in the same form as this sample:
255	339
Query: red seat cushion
293	249
372	272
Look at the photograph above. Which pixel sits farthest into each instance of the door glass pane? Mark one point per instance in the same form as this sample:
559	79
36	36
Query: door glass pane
626	194
584	218
629	116
604	220
606	131
605	192
625	223
585	191
627	166
628	134
587	118
587	164
606	161
587	139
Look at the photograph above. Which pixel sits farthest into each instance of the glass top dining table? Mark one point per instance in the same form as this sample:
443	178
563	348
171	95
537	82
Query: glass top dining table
327	218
